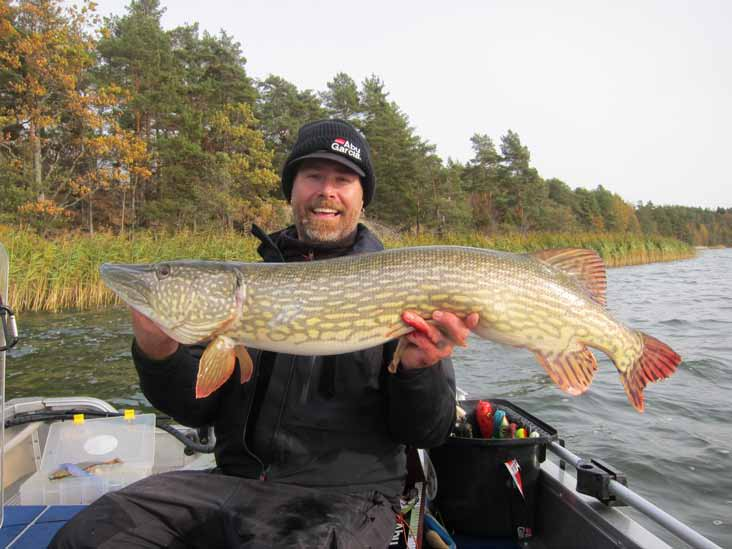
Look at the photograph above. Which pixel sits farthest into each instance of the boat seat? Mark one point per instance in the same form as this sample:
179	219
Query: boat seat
33	526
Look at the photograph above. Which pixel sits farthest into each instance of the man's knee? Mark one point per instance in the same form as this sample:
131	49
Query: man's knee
74	534
94	525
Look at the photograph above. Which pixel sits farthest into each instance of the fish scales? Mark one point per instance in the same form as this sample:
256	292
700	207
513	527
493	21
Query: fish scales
550	302
422	281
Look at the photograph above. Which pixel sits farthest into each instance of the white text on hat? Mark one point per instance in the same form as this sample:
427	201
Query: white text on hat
344	146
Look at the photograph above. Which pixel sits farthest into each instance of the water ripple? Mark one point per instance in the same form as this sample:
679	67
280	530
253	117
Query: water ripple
685	433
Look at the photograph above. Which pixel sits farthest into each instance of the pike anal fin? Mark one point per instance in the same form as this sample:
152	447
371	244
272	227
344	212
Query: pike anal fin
571	371
216	366
657	362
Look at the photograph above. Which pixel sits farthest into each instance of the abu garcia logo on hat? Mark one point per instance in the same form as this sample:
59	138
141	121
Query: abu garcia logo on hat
344	146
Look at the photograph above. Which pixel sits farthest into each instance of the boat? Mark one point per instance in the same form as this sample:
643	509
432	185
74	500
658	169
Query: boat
60	454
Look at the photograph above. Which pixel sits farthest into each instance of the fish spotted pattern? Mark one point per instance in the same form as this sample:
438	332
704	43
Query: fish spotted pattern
551	302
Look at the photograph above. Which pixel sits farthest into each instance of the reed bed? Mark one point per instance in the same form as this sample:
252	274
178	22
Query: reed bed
616	249
63	272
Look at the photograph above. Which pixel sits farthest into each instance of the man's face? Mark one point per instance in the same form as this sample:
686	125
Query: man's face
327	199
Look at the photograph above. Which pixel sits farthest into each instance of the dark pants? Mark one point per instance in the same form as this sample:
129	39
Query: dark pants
201	509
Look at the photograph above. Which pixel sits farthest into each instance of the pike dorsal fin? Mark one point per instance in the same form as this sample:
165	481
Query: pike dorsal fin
583	264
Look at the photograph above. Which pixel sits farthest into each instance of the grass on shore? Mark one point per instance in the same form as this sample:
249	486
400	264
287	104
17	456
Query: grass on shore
63	272
616	249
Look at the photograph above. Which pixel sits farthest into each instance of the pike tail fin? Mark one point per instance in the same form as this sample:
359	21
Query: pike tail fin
658	361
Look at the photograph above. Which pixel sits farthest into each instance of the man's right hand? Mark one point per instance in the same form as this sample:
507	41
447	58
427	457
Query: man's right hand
151	340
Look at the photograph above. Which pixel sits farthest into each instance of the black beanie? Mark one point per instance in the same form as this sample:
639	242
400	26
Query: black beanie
335	140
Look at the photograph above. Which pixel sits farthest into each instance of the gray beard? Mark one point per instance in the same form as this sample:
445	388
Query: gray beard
315	233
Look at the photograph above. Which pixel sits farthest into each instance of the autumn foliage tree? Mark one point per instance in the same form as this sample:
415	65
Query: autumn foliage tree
121	124
60	132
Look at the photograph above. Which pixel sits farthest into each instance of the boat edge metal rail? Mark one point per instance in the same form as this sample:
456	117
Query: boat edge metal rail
4	345
609	487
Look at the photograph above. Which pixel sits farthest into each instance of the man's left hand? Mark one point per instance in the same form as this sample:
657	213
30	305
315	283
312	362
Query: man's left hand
431	342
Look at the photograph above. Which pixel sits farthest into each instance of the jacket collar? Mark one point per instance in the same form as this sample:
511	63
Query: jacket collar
285	246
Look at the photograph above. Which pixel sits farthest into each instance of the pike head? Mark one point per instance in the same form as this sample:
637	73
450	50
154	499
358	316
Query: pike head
189	300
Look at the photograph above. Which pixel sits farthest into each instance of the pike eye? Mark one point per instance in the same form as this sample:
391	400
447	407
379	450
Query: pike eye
163	271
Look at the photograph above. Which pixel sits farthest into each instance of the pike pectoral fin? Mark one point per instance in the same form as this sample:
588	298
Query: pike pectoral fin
657	362
571	371
216	366
245	363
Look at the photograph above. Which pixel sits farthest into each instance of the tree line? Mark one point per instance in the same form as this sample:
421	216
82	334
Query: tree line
119	124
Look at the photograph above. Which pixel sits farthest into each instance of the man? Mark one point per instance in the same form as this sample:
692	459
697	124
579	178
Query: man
311	451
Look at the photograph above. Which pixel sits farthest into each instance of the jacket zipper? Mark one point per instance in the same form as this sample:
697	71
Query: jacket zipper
281	413
306	386
264	470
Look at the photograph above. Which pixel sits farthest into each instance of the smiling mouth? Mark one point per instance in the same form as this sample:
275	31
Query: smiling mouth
325	213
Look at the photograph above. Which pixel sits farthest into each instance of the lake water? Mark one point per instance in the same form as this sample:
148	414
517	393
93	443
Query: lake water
677	453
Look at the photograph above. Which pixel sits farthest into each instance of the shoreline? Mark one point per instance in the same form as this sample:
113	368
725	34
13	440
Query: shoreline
62	273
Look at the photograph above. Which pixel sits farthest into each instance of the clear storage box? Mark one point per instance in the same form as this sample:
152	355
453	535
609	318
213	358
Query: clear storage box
124	447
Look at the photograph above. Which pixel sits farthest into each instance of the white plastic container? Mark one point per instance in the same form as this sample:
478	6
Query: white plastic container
132	441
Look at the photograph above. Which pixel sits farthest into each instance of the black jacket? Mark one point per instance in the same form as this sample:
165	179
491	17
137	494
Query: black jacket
338	422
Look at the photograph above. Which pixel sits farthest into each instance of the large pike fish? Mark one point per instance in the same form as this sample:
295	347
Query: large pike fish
550	302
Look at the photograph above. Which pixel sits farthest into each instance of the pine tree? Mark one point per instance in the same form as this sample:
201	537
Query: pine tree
399	158
281	109
481	181
342	100
522	191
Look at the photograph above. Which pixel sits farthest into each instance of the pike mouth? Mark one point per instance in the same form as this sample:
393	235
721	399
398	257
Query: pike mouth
130	283
133	285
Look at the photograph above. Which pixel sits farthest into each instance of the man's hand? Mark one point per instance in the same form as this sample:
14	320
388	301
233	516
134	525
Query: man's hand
431	342
151	340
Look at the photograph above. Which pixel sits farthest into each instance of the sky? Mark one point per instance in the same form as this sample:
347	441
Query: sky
631	95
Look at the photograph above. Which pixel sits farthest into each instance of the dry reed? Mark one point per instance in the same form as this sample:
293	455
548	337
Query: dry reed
63	272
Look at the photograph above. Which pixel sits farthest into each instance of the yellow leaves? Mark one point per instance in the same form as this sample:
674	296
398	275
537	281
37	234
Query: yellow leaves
111	95
118	157
68	81
98	146
598	223
81	186
141	172
9	59
7	30
241	155
45	57
37	89
43	120
45	54
90	6
44	207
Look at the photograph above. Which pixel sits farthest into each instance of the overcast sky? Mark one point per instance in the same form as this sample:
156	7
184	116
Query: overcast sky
631	95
